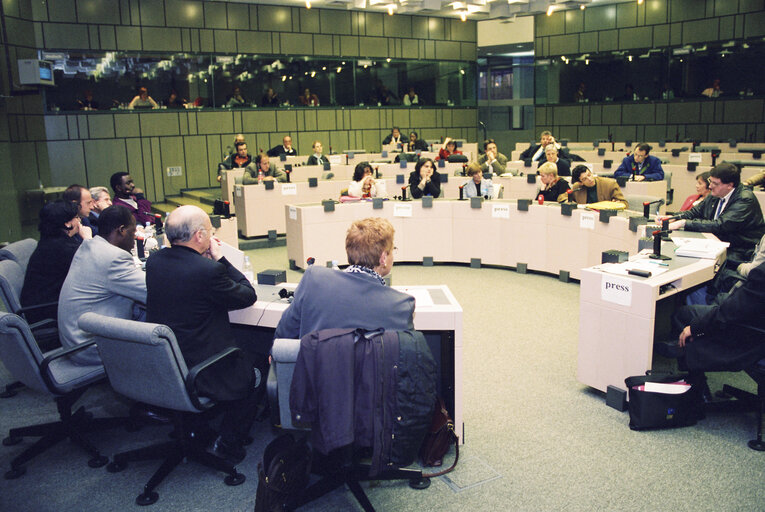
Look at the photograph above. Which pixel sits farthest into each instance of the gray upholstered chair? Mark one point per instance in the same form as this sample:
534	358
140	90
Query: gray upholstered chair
51	373
284	354
143	362
635	203
20	252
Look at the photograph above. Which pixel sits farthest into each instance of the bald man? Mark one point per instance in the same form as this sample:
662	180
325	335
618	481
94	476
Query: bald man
191	288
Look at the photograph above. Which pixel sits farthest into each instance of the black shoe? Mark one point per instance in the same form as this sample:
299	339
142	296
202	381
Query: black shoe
668	350
231	451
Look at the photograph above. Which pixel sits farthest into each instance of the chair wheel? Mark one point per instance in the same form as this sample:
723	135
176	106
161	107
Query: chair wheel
756	444
235	479
98	461
419	483
147	498
11	440
116	467
15	473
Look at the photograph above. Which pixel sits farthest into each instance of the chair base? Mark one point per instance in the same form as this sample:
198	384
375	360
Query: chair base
11	389
173	452
71	426
750	401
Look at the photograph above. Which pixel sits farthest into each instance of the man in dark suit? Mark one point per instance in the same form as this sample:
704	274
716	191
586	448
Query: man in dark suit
563	165
285	148
356	297
731	212
191	288
641	165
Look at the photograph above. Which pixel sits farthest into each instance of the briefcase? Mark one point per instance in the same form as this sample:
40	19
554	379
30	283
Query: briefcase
654	410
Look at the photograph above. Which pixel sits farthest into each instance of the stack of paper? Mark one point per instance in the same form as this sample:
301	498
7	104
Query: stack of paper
699	247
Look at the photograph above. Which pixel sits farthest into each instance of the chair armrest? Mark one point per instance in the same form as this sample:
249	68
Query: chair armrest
191	378
58	354
25	309
43	323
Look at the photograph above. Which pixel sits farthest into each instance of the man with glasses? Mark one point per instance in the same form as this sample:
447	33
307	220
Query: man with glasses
731	212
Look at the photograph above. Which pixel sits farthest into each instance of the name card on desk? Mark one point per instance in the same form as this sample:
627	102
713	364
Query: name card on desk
500	211
587	220
402	210
616	290
694	157
238	190
293	212
289	189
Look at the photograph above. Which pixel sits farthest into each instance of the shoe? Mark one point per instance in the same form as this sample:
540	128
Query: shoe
146	412
668	350
231	451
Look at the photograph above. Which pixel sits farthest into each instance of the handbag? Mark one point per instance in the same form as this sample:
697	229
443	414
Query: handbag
649	410
439	438
283	474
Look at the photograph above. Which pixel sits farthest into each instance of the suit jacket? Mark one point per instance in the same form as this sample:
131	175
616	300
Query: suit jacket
419	145
720	338
651	168
531	151
498	167
740	223
46	272
103	279
327	299
250	176
279	150
469	188
433	188
607	189
192	295
312	160
563	165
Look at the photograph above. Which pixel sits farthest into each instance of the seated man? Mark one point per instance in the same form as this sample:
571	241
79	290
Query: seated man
81	196
328	298
239	158
262	170
285	148
102	278
492	160
641	165
477	187
191	288
228	162
551	155
715	337
101	201
124	194
731	213
416	144
394	137
536	152
588	188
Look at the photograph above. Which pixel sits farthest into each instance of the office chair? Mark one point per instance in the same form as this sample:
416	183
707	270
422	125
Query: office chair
51	373
635	203
20	252
347	468
143	362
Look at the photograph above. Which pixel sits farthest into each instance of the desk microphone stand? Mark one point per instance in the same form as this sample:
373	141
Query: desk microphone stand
657	247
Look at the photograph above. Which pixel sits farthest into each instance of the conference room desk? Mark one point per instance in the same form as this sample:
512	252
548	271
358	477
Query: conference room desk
451	231
573	147
437	314
618	316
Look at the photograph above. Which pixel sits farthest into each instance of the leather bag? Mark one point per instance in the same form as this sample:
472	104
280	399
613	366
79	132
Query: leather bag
283	474
438	440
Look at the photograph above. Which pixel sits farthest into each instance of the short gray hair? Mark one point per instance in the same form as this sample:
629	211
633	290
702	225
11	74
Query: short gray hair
182	224
96	192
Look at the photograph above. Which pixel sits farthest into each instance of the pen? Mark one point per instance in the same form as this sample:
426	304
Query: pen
658	263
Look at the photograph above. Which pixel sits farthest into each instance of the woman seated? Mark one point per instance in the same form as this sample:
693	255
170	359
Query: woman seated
477	186
50	261
262	170
449	148
702	191
364	185
317	158
425	180
554	188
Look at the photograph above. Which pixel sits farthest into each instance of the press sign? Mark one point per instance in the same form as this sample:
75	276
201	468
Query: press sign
615	290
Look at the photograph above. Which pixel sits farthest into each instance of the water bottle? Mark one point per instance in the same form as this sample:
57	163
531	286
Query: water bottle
335	265
261	175
247	270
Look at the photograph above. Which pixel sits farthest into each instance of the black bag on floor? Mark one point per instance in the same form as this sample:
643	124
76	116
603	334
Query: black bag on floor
662	410
283	474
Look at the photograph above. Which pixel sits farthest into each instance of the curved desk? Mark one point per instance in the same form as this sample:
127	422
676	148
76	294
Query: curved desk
497	233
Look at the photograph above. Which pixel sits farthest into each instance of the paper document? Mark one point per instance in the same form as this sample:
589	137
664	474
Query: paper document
670	388
699	247
622	269
421	296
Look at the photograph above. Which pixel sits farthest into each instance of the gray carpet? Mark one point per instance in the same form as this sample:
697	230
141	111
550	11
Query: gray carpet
536	439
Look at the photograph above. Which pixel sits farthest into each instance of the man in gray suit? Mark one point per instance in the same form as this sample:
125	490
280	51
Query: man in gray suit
356	297
102	278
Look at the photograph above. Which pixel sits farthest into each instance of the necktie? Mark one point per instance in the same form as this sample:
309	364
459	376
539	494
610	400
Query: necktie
719	207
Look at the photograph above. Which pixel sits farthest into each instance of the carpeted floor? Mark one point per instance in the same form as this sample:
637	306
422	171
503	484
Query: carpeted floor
535	439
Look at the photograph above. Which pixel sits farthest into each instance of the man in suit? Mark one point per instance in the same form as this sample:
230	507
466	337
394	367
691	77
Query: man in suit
101	201
102	278
641	165
492	160
551	155
285	148
126	194
588	188
191	288
80	195
731	212
536	152
356	297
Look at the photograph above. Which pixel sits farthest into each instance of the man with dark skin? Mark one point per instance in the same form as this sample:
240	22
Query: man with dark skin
126	194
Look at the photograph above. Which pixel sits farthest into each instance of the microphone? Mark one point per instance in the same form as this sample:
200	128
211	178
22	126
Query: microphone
462	197
311	260
646	205
288	172
541	199
657	247
285	294
570	194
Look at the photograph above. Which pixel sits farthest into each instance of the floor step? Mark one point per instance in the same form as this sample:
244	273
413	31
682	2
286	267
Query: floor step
203	195
172	202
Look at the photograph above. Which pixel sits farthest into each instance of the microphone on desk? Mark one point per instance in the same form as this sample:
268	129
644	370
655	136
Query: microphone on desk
288	172
657	247
462	194
311	260
286	294
570	194
646	207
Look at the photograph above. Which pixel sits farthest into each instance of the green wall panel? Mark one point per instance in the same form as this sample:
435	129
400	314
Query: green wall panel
683	113
299	44
68	163
64	10
700	31
197	170
207	40
171	151
747	111
574	21
612	114
448	50
128	38
101	126
225	41
608	40
65	35
349	46
723	7
20	32
152	13
588	42
186	13
159	123
286	121
639	37
103	158
215	122
238	16
754	25
377	47
551	25
684	10
215	15
626	15
436	28
460	30
55	128
599	18
126	125
399	26
162	39
567	115
423	118
660	35
309	20
259	121
564	45
335	22
365	119
639	113
254	42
